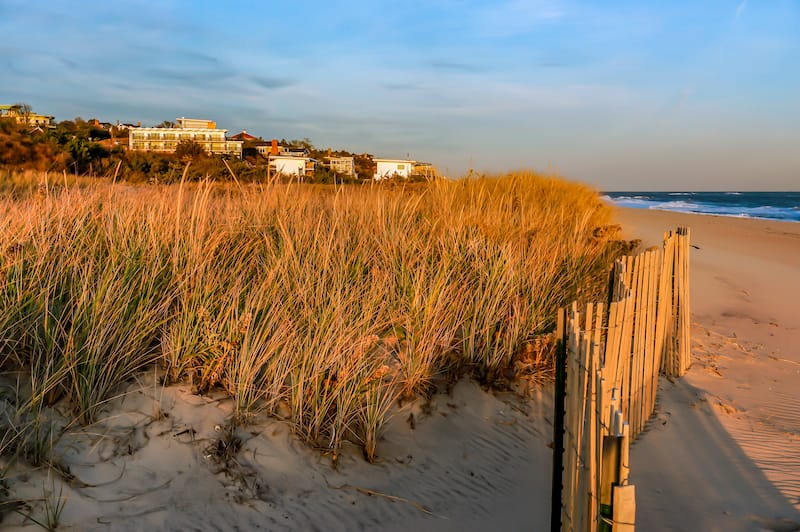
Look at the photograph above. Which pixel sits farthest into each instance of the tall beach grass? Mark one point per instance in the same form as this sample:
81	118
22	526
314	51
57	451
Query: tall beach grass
321	305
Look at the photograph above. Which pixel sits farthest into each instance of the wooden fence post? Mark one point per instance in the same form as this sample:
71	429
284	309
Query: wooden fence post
558	422
609	476
624	513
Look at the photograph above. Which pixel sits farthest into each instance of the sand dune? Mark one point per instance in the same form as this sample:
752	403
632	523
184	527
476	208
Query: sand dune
472	461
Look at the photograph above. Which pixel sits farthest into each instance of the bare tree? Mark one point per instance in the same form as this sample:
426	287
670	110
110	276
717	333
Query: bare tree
24	110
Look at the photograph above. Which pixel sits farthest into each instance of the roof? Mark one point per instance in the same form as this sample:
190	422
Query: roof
244	135
394	161
289	157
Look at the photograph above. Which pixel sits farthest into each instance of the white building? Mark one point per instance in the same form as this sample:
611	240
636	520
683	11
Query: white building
166	139
342	165
388	168
290	165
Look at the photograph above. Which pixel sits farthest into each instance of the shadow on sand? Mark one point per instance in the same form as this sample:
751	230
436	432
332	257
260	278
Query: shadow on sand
690	474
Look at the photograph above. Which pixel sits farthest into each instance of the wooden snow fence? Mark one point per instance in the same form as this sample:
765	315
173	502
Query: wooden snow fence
607	367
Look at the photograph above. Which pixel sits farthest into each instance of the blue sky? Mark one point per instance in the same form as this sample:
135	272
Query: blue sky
632	96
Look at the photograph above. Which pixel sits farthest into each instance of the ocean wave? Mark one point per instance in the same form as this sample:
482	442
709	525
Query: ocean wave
766	212
628	198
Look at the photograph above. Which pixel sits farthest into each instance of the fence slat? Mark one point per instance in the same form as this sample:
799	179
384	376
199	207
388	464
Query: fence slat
685	303
624	504
557	497
634	413
654	357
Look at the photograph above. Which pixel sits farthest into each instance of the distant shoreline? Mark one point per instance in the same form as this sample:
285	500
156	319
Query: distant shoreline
774	206
715	215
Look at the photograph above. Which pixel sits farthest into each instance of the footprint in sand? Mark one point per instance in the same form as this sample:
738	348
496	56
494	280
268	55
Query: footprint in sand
725	408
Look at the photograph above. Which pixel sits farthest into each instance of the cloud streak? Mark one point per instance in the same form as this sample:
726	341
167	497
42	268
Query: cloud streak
403	87
269	83
453	66
515	17
740	8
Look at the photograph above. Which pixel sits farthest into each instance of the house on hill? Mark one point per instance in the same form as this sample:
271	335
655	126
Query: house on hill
94	122
291	166
389	168
252	146
244	136
166	139
273	148
403	168
426	170
22	114
342	165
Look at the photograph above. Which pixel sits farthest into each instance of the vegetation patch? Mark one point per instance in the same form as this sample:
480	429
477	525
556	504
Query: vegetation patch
319	305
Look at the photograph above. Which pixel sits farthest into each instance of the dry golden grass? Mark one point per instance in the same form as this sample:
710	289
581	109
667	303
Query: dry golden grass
324	305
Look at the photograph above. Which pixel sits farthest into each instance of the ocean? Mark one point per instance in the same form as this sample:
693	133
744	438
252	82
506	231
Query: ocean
784	206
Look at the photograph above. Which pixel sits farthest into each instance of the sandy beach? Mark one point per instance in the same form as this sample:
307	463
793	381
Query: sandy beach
723	451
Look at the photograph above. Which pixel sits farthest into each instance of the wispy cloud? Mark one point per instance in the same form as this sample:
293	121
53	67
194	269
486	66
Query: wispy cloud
183	76
740	8
208	75
453	66
552	64
516	17
676	103
68	63
402	86
270	83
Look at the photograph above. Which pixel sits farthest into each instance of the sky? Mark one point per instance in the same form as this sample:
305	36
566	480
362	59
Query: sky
626	95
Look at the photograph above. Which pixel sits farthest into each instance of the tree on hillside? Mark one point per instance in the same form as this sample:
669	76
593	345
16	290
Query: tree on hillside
98	133
119	132
69	129
85	154
365	166
189	149
9	126
24	110
167	124
304	143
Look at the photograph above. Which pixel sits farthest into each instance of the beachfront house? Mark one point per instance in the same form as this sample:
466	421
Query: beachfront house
426	170
389	168
252	146
166	139
342	165
291	166
244	136
22	114
273	148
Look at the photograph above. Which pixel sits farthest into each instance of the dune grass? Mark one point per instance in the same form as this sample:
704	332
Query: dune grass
321	305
